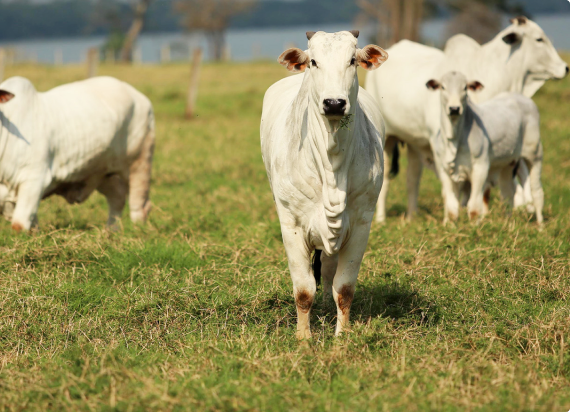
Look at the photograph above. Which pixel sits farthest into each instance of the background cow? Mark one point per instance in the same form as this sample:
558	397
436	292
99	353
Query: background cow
520	58
96	134
321	139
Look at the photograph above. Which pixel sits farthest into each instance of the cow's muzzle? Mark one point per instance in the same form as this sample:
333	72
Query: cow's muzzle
334	107
454	111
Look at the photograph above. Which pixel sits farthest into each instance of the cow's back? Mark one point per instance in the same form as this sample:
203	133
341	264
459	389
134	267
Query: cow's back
95	125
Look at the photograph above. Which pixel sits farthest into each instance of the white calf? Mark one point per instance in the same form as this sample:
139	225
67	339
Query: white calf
481	144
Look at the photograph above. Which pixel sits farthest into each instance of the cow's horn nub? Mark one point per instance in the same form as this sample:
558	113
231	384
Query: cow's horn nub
355	33
310	34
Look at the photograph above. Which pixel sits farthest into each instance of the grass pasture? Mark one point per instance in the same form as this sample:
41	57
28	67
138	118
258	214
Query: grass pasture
195	310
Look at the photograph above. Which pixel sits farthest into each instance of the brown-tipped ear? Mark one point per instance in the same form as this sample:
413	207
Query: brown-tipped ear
475	86
433	84
294	59
355	33
519	20
371	57
310	34
512	38
5	96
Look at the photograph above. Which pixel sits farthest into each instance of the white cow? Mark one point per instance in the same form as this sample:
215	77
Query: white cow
482	143
519	59
73	139
321	139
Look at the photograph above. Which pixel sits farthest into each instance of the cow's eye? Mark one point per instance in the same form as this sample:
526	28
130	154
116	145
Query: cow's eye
442	88
314	63
353	61
540	39
465	89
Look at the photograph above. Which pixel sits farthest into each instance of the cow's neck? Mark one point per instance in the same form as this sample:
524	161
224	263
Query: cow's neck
330	147
504	66
452	137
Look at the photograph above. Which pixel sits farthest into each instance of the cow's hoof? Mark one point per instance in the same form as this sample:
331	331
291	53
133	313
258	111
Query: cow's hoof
18	227
303	334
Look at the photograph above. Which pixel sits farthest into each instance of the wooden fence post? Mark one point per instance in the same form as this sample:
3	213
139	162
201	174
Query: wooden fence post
2	63
92	60
58	57
194	78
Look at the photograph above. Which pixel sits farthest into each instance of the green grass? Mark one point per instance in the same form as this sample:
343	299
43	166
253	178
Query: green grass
194	311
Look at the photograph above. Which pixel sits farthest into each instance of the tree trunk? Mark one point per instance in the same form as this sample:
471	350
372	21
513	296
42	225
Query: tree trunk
216	40
134	31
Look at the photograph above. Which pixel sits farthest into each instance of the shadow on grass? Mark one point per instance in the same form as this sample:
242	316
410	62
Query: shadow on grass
398	303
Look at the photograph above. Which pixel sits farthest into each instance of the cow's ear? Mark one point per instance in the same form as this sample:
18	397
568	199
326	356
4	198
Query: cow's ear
512	38
475	86
519	20
294	59
371	57
5	96
433	84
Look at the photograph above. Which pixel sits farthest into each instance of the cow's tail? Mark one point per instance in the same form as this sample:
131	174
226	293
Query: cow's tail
317	265
395	166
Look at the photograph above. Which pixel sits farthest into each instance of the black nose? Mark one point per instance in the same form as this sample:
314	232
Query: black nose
454	110
567	69
334	107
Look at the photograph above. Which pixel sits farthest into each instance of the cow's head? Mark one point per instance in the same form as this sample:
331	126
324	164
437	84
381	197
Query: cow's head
540	59
453	88
331	61
5	96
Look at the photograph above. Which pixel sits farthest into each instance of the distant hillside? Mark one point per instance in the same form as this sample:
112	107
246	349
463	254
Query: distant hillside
68	18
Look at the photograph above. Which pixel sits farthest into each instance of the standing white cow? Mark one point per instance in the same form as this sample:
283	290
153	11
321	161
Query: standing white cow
519	59
321	140
96	134
483	143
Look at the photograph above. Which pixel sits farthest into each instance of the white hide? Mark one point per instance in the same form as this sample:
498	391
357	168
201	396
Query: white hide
482	143
96	134
411	112
325	178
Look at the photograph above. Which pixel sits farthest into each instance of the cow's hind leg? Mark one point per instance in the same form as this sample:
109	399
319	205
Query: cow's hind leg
507	185
536	186
139	181
390	164
413	178
115	188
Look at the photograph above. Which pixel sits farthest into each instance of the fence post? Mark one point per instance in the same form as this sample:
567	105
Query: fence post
2	63
92	60
193	88
165	53
58	57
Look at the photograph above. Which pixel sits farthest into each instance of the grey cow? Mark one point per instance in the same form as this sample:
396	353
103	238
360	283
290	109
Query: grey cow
481	144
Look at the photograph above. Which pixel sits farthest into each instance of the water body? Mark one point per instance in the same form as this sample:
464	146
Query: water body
244	44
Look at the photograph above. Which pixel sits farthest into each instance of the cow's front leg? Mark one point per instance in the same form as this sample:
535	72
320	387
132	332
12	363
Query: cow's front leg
304	284
344	284
25	213
413	178
479	176
450	200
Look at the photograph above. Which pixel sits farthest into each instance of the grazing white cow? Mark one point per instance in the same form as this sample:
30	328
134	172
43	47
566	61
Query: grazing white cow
519	59
96	134
321	140
482	143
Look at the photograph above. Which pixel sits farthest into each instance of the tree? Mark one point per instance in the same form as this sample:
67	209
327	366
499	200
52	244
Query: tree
213	17
479	19
397	19
141	8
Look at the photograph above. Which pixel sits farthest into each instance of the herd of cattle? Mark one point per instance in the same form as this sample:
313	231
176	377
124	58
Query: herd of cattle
464	112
